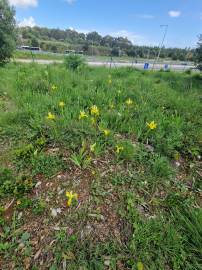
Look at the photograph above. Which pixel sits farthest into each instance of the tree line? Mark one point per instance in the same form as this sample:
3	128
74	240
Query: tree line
57	40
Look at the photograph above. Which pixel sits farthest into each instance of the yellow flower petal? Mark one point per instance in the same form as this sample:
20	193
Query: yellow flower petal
106	132
94	110
51	116
129	102
119	149
54	87
82	115
70	196
152	125
61	104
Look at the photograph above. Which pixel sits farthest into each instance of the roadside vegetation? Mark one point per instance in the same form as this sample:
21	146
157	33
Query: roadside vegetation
23	54
36	56
100	168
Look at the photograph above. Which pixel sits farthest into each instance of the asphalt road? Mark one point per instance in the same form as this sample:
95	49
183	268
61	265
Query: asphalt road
176	67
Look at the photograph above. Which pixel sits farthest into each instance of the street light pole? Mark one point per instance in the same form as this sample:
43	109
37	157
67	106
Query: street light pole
161	45
92	47
148	54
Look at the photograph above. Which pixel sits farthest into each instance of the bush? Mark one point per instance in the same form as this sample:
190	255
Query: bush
73	62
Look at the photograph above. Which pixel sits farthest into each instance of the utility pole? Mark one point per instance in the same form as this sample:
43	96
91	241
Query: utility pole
92	47
161	44
148	54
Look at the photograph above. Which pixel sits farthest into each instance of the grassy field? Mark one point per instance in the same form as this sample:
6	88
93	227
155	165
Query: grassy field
100	169
36	56
52	56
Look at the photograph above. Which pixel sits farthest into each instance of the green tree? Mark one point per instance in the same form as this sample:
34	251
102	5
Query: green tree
198	55
115	52
94	37
34	42
7	31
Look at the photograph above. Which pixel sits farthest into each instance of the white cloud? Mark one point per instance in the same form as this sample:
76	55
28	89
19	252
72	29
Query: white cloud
145	16
27	22
174	13
136	39
84	31
70	2
133	37
23	3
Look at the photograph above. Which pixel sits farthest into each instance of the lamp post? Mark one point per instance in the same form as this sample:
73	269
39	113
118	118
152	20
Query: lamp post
92	47
161	44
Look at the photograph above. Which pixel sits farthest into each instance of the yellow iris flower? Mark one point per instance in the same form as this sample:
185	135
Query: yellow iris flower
70	196
129	102
54	88
51	116
61	104
152	125
119	149
82	115
106	132
94	110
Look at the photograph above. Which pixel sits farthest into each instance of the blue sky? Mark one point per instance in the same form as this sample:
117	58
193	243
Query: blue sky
139	20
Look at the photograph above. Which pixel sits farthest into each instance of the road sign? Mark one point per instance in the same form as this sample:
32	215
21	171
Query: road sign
146	66
166	67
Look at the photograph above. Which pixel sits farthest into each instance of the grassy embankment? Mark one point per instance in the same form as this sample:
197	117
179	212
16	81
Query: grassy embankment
136	184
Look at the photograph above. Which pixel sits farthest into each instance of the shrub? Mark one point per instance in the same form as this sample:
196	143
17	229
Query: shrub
73	62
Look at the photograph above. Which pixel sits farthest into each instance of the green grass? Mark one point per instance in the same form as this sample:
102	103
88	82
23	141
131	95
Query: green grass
138	205
90	58
37	56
